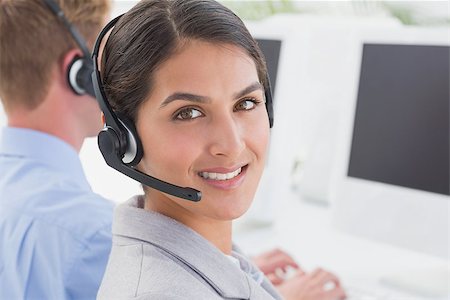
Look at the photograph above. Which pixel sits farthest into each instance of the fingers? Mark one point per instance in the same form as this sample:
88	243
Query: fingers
280	276
282	261
270	261
335	294
275	279
328	283
321	277
312	286
284	273
283	258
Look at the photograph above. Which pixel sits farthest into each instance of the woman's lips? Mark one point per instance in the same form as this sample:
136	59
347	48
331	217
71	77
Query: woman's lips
221	175
223	178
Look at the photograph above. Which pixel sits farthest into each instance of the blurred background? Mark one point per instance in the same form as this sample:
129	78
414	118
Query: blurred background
317	40
319	55
371	232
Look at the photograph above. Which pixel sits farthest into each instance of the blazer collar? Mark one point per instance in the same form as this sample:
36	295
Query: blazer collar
132	221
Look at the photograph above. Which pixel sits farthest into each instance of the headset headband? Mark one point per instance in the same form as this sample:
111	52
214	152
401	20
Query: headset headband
79	40
110	117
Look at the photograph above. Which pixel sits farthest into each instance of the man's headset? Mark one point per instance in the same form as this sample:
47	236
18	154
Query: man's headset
80	69
119	142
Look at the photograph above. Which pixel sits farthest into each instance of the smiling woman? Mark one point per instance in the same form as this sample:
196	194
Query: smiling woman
192	80
225	132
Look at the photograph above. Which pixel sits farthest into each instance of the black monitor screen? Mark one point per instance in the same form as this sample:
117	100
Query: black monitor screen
271	51
402	126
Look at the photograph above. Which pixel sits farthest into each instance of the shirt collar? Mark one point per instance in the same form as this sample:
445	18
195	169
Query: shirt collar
179	240
43	148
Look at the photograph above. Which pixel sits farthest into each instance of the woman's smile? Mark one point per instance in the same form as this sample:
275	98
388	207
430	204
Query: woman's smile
223	178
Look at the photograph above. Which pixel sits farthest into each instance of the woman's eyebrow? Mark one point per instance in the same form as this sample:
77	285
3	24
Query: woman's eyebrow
186	97
251	88
203	99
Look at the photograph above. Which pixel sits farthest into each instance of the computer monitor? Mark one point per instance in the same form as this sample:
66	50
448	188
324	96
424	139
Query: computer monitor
271	50
401	128
393	182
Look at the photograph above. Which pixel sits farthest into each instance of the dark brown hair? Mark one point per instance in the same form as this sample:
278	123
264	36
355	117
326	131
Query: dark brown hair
154	30
33	40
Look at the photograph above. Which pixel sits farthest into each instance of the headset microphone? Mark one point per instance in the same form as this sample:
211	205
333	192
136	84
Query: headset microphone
118	141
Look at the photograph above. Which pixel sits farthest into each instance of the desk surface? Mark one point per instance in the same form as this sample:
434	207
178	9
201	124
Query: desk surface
305	230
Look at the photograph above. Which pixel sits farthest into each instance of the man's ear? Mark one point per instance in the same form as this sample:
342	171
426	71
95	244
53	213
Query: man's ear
68	58
71	65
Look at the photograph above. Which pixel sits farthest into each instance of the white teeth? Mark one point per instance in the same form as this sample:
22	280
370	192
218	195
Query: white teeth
220	176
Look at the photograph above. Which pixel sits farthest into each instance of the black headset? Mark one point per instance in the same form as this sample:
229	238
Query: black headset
80	68
119	142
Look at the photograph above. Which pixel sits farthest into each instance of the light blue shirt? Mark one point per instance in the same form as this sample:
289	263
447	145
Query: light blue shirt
55	232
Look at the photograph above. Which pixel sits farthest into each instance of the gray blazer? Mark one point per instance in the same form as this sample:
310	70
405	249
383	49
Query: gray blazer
156	257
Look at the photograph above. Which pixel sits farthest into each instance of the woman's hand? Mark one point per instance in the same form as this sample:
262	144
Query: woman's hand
317	285
274	264
293	283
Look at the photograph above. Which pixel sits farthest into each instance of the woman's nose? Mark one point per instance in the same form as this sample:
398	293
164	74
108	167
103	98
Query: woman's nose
227	138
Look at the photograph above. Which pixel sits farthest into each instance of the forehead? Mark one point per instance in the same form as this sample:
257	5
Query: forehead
205	68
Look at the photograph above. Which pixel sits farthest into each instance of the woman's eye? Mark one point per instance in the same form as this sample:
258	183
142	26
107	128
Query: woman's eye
188	114
246	104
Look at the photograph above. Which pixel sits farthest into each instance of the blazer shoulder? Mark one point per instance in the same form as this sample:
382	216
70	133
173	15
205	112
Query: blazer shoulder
143	271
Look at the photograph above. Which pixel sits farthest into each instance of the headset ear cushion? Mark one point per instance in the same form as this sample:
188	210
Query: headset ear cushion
108	143
134	150
75	67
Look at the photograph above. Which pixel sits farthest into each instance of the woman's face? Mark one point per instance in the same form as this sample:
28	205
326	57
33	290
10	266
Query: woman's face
205	126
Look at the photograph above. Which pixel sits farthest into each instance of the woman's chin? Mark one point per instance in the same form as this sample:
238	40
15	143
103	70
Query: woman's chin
230	213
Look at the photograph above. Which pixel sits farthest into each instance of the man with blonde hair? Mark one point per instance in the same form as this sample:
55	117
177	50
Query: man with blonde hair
54	231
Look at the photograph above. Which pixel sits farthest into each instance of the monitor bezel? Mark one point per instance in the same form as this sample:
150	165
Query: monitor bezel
365	207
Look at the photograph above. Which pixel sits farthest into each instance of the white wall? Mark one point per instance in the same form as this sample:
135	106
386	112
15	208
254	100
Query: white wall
122	6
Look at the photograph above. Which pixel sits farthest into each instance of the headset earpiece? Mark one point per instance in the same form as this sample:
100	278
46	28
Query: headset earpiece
128	149
133	150
109	142
79	76
269	101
